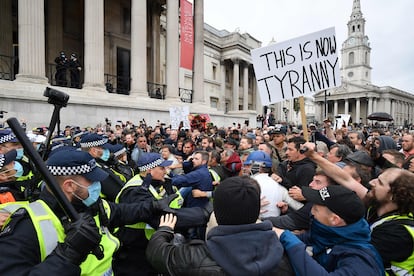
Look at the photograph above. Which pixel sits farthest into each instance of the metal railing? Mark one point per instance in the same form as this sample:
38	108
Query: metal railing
64	76
156	90
186	95
117	84
8	67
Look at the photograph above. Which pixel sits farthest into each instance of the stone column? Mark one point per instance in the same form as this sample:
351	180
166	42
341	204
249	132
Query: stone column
198	74
358	110
246	87
222	99
369	105
235	84
335	108
173	66
139	48
346	106
31	41
374	105
155	38
94	45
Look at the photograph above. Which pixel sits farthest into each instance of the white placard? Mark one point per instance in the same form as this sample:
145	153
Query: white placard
297	67
179	114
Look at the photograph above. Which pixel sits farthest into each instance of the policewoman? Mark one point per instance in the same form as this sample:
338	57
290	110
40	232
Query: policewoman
149	185
39	239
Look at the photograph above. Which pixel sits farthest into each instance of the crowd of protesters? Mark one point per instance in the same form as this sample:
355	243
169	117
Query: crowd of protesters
222	198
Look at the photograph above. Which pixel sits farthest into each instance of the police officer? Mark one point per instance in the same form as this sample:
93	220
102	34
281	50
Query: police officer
98	146
39	239
150	184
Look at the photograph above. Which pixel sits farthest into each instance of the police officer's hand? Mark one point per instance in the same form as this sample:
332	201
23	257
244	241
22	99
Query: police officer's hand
164	204
82	237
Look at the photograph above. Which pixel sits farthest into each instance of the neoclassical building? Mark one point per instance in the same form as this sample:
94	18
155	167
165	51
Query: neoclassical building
129	51
357	96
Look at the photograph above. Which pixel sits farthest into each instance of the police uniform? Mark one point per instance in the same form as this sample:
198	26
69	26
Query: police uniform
134	238
113	183
32	233
392	234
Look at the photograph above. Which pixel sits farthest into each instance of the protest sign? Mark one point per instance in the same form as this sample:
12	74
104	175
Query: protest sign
297	67
179	114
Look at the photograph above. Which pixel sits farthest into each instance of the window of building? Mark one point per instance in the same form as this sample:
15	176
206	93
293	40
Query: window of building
351	58
227	76
226	107
213	102
214	71
366	57
353	29
126	20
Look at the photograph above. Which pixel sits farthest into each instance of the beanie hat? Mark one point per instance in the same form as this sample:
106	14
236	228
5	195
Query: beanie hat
237	201
234	164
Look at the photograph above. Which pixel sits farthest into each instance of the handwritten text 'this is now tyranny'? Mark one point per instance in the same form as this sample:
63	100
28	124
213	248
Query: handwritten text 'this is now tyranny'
315	70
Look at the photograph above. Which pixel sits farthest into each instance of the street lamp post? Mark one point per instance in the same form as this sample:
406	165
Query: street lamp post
326	104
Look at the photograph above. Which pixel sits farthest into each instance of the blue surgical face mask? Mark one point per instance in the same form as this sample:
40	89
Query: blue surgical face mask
105	155
19	169
19	153
94	190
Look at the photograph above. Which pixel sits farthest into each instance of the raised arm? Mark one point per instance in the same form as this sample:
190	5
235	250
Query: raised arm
336	173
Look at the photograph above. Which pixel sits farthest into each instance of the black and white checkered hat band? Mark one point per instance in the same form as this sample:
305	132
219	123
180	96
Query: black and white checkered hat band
74	170
2	160
119	152
97	143
6	138
151	165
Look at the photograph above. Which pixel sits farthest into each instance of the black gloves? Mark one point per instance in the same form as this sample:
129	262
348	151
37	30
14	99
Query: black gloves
164	204
82	237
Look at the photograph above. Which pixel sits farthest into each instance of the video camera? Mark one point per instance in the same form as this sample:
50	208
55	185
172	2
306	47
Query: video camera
56	97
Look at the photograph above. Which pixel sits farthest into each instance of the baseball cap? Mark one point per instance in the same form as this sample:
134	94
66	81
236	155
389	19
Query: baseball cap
360	157
69	161
340	200
259	157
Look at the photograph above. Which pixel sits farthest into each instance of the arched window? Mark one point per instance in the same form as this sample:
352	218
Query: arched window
353	28
351	58
366	57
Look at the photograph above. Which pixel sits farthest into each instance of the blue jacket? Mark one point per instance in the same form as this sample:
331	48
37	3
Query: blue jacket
198	178
336	250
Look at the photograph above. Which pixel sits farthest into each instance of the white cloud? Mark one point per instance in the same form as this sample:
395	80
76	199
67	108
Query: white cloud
388	26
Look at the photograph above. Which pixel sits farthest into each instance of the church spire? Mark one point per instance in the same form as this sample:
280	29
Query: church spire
356	24
356	50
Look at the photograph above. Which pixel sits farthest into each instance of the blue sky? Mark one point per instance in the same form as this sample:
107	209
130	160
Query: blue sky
388	26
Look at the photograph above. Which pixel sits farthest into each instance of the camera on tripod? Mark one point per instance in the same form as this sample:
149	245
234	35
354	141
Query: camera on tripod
56	97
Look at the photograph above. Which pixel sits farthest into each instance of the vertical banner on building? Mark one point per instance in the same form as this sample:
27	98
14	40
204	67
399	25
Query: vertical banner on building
187	35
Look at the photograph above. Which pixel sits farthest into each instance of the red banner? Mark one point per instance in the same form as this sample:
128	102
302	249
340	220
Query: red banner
187	35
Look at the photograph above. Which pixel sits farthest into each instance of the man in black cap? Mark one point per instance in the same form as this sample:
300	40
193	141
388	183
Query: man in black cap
390	208
39	238
339	236
98	146
146	187
237	246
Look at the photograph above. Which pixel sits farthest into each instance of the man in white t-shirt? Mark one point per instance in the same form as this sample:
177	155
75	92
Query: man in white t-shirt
259	165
